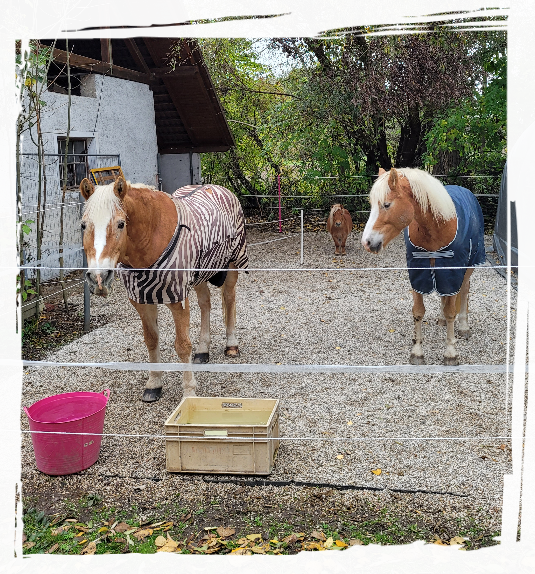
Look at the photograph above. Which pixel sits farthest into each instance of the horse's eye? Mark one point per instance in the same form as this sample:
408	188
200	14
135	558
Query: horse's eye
82	225
387	205
120	225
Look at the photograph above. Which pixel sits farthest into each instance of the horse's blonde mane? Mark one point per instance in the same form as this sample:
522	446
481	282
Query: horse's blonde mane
426	190
103	202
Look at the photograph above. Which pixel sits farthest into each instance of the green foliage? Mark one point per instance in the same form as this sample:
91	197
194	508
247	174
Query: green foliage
476	130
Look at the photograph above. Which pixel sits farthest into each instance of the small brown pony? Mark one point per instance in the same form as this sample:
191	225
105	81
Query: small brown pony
162	246
339	225
444	238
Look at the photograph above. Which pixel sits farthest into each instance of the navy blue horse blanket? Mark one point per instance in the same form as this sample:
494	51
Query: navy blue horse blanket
466	250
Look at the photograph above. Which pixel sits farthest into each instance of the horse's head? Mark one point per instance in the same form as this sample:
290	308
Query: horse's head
337	215
104	227
392	209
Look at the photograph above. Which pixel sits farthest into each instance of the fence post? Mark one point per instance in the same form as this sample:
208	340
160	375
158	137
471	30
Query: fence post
302	237
280	213
87	298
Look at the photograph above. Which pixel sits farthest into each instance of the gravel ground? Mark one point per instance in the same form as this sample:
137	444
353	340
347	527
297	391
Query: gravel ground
335	317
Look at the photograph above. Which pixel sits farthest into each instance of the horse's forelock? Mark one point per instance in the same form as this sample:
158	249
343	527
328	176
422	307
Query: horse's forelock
102	205
426	190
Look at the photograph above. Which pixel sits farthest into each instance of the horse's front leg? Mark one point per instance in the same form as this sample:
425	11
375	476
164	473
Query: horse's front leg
202	354
450	355
228	294
418	312
149	320
183	347
463	329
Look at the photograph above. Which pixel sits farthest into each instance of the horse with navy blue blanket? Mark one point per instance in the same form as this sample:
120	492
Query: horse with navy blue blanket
444	239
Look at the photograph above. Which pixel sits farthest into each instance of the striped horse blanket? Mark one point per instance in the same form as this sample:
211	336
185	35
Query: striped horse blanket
210	234
466	250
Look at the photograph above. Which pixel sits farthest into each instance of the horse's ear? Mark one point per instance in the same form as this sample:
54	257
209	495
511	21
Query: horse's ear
381	171
120	188
393	179
86	188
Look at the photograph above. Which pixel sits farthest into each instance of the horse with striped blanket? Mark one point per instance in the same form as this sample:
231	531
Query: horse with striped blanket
444	239
162	246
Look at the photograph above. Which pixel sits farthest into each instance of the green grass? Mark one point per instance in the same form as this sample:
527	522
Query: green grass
63	551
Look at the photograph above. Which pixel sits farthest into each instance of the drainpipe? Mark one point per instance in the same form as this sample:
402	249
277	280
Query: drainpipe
191	167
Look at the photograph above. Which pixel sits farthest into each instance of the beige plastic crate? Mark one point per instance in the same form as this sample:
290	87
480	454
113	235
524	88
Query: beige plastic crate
222	435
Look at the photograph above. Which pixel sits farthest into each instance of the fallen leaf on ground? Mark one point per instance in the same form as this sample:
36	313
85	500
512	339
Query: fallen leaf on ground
160	541
141	534
349	423
225	532
258	550
341	544
239	558
91	548
440	556
318	535
457	543
156	524
253	536
28	545
355	542
329	542
377	471
439	542
313	567
53	548
103	529
169	545
340	456
333	566
82	542
410	554
122	527
314	546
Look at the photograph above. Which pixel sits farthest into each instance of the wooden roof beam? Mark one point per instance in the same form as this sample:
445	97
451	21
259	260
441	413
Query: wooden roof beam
127	37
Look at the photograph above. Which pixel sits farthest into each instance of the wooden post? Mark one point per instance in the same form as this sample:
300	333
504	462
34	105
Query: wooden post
105	30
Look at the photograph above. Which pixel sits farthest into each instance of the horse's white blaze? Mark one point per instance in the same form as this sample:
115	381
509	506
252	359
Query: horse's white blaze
369	234
99	241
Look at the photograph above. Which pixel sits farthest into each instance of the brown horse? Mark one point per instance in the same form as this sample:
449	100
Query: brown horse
164	245
444	238
339	225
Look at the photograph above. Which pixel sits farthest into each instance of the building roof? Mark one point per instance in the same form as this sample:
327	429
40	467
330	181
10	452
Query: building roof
189	116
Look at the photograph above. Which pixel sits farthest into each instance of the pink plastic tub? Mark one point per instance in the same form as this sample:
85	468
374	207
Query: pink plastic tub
59	454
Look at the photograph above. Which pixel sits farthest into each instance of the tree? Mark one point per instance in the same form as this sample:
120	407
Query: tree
383	90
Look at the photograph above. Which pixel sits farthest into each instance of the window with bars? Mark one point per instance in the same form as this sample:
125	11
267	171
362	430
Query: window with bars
77	167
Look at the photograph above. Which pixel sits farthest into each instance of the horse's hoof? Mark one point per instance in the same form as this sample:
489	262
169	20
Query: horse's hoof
232	352
200	358
464	334
417	359
451	361
151	395
441	321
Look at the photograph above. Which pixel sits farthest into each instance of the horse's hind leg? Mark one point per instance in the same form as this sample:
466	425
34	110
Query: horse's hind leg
149	320
450	354
202	354
228	294
463	330
418	312
180	312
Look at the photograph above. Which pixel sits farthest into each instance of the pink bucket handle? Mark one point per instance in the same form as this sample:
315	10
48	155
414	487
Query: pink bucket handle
106	393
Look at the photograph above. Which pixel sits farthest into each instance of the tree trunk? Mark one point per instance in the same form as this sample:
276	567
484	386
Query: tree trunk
409	139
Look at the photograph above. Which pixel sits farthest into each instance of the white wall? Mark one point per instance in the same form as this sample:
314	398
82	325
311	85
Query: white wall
116	117
176	170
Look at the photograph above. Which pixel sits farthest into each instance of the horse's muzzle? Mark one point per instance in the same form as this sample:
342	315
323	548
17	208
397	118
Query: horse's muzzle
373	247
100	282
